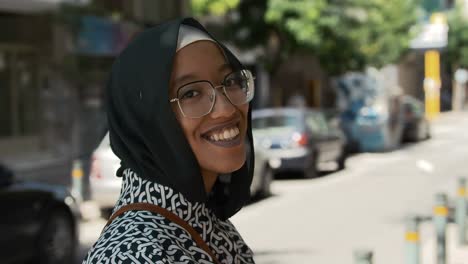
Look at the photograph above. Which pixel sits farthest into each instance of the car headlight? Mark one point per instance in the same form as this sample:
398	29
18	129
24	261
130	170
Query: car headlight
274	163
266	143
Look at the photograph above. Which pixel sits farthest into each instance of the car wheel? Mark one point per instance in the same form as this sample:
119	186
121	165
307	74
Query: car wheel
342	159
265	190
57	239
311	169
428	132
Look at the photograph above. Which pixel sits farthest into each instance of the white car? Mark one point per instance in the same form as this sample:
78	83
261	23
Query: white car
105	185
263	174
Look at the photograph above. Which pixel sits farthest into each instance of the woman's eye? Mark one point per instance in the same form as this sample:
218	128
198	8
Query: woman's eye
230	82
190	94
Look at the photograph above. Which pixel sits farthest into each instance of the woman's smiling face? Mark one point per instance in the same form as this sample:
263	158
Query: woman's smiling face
218	138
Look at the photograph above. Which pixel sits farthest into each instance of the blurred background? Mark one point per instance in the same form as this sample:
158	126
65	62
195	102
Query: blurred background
360	118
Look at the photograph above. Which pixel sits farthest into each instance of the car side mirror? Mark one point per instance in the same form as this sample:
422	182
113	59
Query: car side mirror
6	177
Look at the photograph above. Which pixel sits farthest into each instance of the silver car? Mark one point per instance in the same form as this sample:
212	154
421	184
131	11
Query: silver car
298	139
263	175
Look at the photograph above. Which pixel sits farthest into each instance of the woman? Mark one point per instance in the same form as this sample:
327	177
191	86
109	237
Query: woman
179	120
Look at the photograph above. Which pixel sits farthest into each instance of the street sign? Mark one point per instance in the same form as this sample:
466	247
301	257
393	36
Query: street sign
432	36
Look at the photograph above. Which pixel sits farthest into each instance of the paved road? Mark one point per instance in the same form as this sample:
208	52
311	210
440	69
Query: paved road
323	220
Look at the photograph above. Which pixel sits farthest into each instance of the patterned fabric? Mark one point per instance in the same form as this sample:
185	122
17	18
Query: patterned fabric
143	237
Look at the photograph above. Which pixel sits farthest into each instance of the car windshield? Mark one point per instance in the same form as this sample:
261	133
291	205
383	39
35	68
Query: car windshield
276	121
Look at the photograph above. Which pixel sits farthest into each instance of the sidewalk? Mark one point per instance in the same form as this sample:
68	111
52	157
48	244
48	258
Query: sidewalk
450	117
455	253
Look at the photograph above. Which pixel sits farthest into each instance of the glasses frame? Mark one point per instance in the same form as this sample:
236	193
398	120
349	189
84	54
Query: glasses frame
213	96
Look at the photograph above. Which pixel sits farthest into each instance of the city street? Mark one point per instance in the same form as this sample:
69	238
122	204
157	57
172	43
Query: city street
324	220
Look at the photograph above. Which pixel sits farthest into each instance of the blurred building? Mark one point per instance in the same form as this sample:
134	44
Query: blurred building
302	75
55	56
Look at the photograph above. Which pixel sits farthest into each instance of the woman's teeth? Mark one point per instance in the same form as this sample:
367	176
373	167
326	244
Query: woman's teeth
226	134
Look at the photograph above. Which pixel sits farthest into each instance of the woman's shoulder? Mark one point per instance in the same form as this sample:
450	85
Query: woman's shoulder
126	241
130	257
139	237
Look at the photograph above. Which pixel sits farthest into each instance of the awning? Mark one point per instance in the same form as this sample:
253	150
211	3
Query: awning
35	6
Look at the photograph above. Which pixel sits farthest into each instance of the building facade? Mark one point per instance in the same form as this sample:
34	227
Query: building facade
54	63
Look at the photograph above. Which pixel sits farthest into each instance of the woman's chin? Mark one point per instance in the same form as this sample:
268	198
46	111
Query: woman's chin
229	168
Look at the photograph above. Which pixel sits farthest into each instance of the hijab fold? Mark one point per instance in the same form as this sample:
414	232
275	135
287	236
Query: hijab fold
144	132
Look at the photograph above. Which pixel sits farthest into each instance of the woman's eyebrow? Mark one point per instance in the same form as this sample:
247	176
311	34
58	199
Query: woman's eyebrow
189	77
179	81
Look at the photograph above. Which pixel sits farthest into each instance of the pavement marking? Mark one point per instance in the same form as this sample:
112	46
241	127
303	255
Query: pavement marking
425	165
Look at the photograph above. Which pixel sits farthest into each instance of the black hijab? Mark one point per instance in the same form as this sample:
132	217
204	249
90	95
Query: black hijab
144	132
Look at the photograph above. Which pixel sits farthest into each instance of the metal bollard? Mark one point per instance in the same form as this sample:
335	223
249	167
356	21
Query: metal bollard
461	211
440	222
412	240
363	257
77	180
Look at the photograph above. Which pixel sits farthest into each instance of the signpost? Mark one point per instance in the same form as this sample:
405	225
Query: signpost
432	38
432	83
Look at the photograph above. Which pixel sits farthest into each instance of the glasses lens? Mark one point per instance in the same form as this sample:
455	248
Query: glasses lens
196	99
239	87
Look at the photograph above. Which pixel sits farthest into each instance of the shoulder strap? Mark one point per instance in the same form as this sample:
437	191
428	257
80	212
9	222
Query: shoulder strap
168	215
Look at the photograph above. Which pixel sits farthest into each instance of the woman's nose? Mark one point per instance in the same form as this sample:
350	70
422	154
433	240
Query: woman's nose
222	107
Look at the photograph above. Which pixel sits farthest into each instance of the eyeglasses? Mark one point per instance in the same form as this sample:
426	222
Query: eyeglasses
197	99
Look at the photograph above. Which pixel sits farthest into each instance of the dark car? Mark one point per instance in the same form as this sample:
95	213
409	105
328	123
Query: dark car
298	139
416	126
38	222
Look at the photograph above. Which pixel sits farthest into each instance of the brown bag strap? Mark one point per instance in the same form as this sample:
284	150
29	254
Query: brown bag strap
168	215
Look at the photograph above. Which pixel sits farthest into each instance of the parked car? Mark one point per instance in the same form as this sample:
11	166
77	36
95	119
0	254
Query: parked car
38	222
105	186
298	139
263	175
377	126
416	126
371	111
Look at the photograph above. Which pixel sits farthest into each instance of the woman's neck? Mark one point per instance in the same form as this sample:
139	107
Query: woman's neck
209	179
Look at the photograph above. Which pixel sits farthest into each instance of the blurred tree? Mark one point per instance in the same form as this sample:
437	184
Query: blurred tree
344	34
213	7
347	34
249	29
457	48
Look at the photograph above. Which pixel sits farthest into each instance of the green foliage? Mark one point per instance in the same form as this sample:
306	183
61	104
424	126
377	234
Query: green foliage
386	33
457	39
214	7
347	34
344	34
300	18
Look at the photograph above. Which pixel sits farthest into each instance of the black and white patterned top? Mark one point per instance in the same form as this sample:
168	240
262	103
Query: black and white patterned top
144	237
